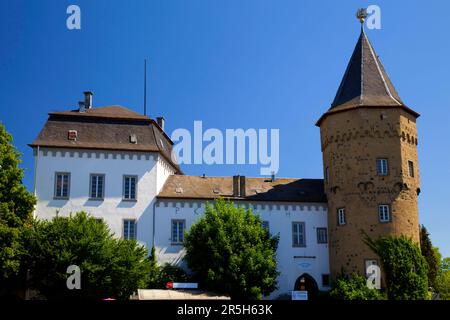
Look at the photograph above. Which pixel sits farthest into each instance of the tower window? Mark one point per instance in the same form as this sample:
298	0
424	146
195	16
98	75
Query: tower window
382	166
341	216
411	168
384	213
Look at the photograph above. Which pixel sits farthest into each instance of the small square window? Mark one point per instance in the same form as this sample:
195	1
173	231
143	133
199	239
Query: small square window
322	235
382	167
384	213
342	220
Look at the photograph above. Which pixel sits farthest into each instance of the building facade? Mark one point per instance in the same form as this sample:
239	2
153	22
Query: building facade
116	165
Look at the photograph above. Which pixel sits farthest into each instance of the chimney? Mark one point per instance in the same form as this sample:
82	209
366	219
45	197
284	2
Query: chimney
235	186
88	99
160	121
81	106
242	186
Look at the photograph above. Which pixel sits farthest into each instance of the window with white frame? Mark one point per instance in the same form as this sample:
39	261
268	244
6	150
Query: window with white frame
298	234
341	216
129	187
97	186
383	213
322	235
178	227
62	185
382	166
411	168
129	229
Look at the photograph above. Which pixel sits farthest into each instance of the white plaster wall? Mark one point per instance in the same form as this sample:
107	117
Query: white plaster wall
164	170
112	209
280	217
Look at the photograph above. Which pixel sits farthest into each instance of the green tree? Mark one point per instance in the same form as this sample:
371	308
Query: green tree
230	252
110	267
404	266
16	206
443	279
431	255
354	287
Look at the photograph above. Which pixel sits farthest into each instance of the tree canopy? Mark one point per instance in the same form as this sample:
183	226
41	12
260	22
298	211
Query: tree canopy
110	267
16	206
230	252
404	266
431	254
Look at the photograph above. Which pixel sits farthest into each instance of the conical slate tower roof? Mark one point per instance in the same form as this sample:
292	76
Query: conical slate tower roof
365	82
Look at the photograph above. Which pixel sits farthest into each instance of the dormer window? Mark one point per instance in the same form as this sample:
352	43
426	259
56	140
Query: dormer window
72	135
133	138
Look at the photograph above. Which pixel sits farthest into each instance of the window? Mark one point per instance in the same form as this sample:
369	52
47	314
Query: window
298	234
97	186
265	225
341	216
411	168
178	231
129	229
322	235
325	280
129	187
62	185
382	167
383	213
368	263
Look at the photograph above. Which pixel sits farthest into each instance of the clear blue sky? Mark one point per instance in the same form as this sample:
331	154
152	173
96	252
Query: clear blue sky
231	64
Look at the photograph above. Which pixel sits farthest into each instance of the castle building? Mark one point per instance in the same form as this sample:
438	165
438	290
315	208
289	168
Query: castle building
369	145
116	165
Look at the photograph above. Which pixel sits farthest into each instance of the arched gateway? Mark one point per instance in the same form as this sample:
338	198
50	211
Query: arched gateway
307	283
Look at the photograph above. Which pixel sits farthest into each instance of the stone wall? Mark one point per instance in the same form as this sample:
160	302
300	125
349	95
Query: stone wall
351	143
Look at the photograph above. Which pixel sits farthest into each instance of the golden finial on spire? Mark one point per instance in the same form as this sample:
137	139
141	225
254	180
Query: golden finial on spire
361	14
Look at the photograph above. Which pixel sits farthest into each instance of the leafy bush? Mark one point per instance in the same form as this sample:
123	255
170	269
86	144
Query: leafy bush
110	267
230	252
404	266
167	273
354	287
16	205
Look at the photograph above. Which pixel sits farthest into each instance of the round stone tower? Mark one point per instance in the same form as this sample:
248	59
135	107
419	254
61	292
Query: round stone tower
371	178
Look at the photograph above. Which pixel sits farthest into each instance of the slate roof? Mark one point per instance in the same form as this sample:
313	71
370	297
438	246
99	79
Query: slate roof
365	83
105	128
257	189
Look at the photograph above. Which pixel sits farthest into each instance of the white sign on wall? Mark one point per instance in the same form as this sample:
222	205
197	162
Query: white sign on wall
299	295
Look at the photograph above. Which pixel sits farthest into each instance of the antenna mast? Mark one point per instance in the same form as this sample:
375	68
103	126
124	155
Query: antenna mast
145	87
